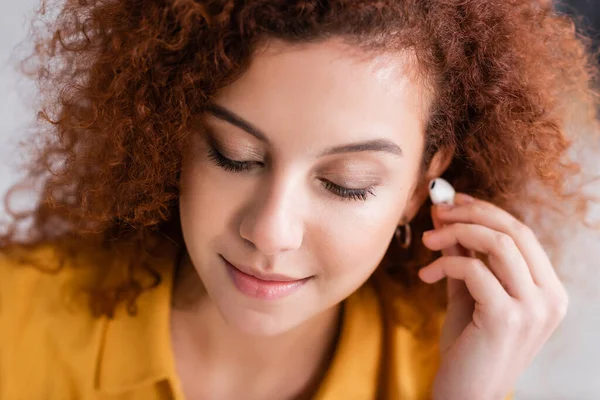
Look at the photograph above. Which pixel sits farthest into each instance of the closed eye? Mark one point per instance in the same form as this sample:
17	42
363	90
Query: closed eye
349	194
226	163
230	165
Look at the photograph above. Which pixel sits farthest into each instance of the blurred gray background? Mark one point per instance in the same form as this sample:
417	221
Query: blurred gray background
567	368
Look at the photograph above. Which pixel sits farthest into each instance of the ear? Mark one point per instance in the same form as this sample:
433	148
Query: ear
439	164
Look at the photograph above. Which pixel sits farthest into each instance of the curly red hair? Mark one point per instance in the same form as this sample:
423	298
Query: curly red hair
125	82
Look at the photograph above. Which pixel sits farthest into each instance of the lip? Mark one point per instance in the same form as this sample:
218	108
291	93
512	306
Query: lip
263	286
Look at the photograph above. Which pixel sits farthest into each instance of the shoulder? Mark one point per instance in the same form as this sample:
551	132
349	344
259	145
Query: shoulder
51	344
33	281
43	317
47	281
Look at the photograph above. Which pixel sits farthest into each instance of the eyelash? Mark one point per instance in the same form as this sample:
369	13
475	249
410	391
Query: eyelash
348	194
241	166
227	164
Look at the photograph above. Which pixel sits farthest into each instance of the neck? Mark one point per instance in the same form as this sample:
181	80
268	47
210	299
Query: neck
199	331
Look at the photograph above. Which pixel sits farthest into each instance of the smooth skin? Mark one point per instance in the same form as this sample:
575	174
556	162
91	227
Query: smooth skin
312	183
307	174
500	310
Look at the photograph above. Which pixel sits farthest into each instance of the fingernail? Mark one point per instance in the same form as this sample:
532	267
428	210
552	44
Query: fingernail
427	233
464	198
445	207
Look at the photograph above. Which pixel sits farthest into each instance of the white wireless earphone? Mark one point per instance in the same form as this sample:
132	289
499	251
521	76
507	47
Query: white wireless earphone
441	192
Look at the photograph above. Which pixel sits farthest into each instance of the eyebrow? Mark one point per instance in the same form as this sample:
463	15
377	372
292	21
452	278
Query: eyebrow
379	145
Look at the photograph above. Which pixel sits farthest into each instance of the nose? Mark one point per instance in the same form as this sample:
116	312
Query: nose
273	223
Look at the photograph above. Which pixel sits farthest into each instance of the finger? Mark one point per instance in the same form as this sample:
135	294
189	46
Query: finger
505	260
483	286
456	250
484	213
455	288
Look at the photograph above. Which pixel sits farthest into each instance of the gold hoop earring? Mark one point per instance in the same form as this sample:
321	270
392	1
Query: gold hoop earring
403	240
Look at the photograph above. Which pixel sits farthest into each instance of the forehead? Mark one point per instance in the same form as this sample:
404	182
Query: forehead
332	91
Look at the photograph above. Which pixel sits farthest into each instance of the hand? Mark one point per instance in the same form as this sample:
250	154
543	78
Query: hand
501	311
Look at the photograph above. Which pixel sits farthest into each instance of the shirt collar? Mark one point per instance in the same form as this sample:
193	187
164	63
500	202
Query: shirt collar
356	366
136	350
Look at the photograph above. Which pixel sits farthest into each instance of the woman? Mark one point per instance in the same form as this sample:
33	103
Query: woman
241	208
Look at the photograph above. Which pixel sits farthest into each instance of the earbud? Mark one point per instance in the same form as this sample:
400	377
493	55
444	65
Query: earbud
441	191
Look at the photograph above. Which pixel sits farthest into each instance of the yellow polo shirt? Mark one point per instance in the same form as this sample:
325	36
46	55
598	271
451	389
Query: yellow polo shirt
51	347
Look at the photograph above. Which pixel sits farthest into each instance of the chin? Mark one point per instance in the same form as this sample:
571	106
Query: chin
258	323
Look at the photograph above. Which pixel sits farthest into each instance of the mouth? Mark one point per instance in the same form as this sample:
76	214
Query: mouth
262	286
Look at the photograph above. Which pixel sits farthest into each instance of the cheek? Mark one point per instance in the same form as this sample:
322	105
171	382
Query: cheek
352	251
206	202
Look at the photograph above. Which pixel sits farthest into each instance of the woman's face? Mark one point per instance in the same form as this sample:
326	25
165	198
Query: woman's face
290	199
